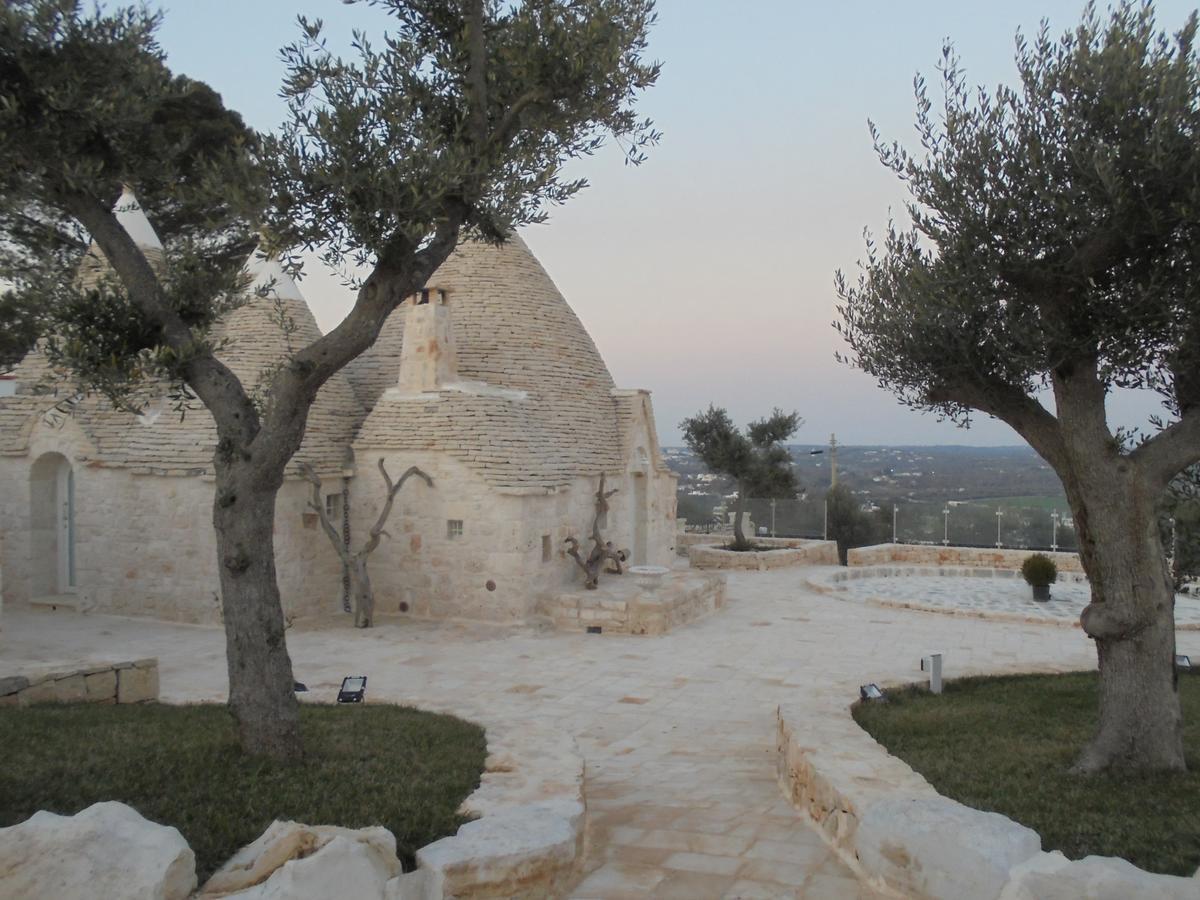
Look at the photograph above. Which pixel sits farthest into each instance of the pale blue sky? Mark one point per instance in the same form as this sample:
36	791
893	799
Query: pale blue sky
706	275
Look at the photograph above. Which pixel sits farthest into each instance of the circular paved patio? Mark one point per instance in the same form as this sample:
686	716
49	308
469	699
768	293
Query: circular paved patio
678	731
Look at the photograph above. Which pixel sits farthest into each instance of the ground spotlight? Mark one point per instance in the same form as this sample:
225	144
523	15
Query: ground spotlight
871	692
352	689
1183	661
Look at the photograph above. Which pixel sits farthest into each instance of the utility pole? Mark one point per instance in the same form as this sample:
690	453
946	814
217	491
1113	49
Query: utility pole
832	461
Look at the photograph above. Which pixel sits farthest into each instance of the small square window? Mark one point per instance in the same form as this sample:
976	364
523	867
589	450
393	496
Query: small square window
547	550
454	528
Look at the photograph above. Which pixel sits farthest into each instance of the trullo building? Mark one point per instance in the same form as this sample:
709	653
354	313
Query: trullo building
486	380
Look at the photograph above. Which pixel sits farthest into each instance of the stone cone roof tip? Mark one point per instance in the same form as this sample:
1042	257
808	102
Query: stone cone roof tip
266	271
129	213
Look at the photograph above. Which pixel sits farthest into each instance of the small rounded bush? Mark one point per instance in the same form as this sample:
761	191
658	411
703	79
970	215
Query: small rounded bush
1039	570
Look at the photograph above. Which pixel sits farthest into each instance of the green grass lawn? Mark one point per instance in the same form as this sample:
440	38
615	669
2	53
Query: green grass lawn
180	765
1005	744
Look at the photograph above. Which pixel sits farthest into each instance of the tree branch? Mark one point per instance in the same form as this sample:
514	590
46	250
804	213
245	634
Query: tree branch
1012	405
477	93
318	504
392	490
1170	451
296	384
214	383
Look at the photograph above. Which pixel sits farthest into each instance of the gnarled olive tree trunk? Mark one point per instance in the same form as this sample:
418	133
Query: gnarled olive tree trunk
261	683
1131	617
739	508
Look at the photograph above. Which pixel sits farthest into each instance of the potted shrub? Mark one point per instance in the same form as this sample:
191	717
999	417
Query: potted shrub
1039	572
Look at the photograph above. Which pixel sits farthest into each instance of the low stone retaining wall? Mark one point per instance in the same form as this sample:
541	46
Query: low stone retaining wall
528	839
937	555
907	840
785	552
102	682
622	604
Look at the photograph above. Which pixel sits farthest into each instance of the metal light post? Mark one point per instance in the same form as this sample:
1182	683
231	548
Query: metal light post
772	517
999	516
1054	539
895	513
946	525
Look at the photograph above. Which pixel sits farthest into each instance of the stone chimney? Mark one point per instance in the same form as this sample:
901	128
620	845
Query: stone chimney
428	359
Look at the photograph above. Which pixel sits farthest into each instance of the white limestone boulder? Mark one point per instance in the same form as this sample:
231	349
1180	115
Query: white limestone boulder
290	859
520	851
108	850
938	848
343	867
1051	876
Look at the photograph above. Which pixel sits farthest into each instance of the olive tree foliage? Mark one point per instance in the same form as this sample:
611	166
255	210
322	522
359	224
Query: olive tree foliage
847	523
757	461
1181	524
87	106
1053	246
456	122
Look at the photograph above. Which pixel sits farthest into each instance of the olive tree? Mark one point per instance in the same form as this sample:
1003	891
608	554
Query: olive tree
757	461
457	122
1052	254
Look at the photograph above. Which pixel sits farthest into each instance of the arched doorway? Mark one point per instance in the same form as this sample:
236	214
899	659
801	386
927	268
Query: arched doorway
52	525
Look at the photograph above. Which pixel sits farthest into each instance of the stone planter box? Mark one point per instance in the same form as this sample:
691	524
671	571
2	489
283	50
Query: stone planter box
784	552
638	604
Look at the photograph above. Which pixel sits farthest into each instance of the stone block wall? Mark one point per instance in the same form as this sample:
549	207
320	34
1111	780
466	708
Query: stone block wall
624	605
788	552
145	545
511	553
107	682
938	555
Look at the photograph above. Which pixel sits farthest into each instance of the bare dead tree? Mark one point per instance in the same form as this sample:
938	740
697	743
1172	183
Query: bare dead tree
602	550
356	563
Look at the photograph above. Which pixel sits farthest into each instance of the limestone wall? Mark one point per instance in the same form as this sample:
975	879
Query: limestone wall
511	553
106	682
785	552
937	555
144	544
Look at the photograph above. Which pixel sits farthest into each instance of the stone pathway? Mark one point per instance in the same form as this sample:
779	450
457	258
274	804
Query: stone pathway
677	731
986	592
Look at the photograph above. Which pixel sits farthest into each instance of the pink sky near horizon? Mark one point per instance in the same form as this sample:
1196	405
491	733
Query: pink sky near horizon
706	274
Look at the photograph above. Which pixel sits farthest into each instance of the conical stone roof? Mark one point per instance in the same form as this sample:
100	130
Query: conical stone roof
547	414
252	339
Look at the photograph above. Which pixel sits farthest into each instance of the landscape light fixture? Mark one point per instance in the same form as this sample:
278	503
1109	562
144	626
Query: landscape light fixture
933	665
1183	661
299	687
352	689
872	692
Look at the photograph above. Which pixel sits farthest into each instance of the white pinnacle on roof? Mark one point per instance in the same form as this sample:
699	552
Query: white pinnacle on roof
129	213
269	277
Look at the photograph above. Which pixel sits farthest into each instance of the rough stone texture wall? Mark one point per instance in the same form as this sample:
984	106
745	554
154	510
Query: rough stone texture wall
145	543
904	838
788	552
932	555
504	536
106	682
623	604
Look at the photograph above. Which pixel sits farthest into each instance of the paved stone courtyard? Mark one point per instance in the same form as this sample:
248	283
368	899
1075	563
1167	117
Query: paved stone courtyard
677	731
1003	593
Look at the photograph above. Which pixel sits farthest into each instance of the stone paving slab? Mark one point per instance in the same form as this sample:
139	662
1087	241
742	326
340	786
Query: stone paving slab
681	786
